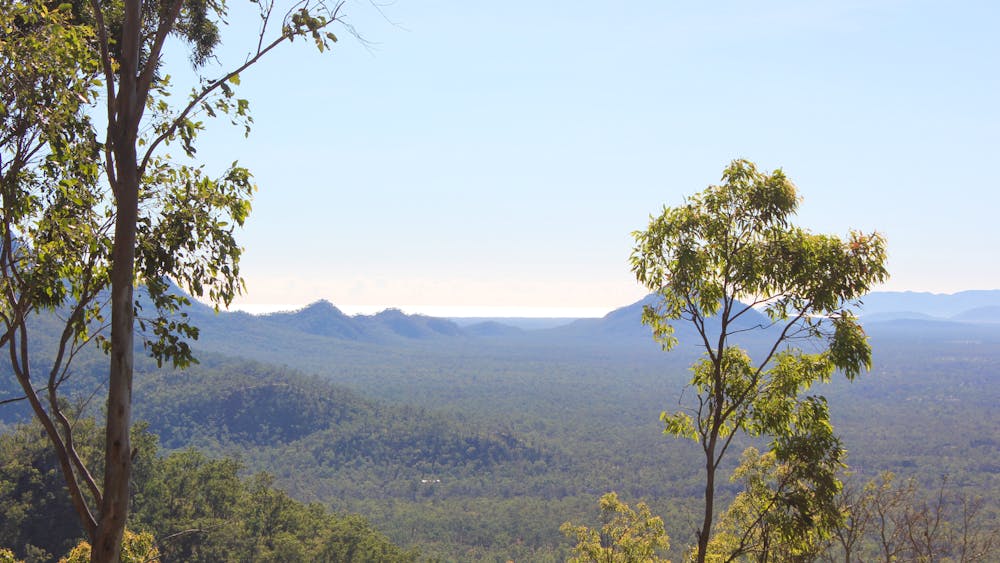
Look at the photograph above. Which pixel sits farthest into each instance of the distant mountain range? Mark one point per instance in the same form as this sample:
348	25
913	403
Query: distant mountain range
979	306
321	328
322	318
323	324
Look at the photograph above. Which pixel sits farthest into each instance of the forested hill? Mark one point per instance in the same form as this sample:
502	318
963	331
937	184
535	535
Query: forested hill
323	318
249	408
587	396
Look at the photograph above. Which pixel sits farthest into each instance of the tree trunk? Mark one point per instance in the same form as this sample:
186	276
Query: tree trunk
118	451
124	129
706	525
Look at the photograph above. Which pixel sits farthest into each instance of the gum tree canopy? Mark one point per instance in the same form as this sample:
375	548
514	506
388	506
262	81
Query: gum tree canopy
93	208
713	261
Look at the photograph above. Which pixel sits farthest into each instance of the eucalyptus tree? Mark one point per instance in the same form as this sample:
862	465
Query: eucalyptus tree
626	536
89	215
783	512
52	248
714	260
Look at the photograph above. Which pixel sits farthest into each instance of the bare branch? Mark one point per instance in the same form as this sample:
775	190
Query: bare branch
109	83
149	71
19	363
14	400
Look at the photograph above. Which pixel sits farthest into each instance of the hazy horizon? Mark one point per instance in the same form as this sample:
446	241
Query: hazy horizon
457	160
439	311
486	311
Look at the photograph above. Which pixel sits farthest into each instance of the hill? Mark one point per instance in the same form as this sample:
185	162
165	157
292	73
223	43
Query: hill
263	413
902	304
987	314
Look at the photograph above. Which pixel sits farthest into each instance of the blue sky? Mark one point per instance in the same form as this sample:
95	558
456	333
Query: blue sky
494	156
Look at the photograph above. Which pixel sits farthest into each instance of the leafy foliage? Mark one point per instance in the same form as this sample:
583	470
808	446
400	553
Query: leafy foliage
66	243
136	548
626	536
725	251
783	512
32	495
47	172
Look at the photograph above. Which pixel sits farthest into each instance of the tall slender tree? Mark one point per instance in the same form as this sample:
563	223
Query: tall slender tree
712	261
67	242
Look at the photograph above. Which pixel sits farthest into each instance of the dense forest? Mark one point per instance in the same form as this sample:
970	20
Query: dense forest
195	508
470	447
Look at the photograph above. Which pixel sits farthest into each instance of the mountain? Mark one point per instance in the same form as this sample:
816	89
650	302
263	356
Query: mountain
897	316
321	318
481	439
939	305
321	335
397	323
625	323
989	314
522	323
492	328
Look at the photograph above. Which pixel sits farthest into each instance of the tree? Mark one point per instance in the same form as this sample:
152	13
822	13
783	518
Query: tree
136	548
895	521
626	536
67	243
712	261
778	516
51	223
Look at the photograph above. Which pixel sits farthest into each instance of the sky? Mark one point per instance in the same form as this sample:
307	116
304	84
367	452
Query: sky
492	158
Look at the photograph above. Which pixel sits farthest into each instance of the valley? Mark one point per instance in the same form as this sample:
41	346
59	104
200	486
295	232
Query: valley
473	446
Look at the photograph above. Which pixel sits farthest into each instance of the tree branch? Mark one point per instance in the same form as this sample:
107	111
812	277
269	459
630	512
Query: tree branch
21	371
81	467
109	82
199	97
149	70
